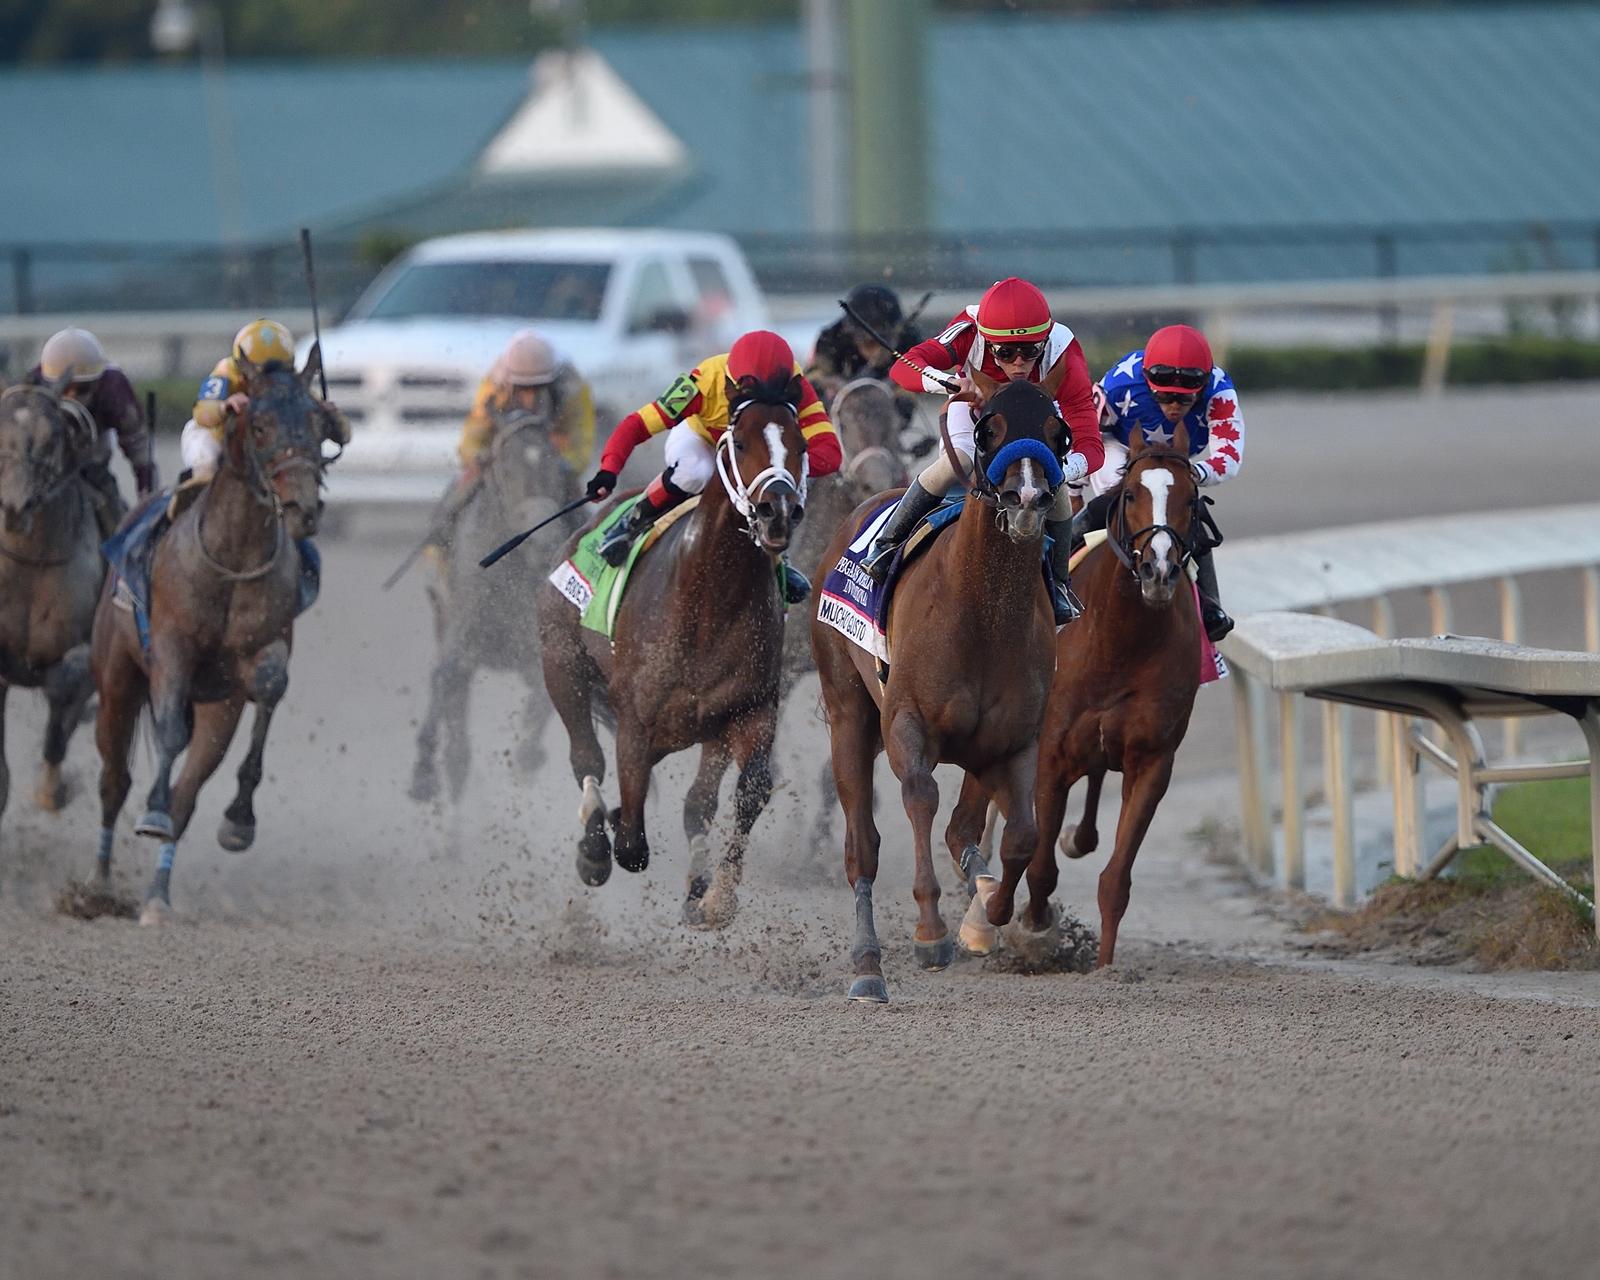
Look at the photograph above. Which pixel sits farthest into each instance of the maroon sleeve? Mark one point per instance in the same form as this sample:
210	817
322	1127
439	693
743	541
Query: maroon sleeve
116	405
1075	396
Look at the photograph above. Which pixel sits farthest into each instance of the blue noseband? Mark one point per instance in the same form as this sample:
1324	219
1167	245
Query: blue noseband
1038	450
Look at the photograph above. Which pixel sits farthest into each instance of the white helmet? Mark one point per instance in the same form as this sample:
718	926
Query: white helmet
528	361
75	349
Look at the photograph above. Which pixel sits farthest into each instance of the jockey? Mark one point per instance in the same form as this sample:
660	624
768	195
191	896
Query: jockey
113	405
697	409
844	351
529	378
1009	335
261	342
1172	380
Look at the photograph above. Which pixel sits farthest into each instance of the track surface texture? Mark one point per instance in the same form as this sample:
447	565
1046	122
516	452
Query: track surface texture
402	1040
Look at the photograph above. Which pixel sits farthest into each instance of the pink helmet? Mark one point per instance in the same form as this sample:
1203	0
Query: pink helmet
528	361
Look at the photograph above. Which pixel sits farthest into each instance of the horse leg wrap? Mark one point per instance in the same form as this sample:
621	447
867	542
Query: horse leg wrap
161	883
974	866
104	853
866	939
592	803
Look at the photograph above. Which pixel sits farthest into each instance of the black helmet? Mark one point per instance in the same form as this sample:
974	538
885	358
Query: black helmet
878	306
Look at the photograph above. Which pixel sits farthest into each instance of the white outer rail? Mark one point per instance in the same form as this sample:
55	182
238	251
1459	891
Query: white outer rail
1314	571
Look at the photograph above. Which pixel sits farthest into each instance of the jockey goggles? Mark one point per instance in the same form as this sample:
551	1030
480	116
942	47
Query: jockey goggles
1175	397
1006	352
1167	377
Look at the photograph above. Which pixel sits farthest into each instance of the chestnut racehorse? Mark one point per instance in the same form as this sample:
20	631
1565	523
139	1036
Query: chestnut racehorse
971	656
696	659
1126	677
224	587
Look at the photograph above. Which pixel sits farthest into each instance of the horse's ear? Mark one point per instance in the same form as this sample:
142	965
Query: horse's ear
1051	381
987	385
1180	437
255	381
313	368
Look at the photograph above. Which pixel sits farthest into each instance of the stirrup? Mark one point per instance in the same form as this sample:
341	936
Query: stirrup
1065	604
880	557
1215	620
614	547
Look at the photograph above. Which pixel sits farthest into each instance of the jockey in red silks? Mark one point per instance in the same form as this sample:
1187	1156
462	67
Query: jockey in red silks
1010	336
695	411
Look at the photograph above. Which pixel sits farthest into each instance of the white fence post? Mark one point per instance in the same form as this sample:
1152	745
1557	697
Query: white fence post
1291	708
1336	782
1383	625
1511	633
1407	798
1591	609
1436	360
1250	728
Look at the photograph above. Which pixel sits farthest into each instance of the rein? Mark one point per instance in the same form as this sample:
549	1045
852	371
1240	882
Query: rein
745	496
257	478
1129	547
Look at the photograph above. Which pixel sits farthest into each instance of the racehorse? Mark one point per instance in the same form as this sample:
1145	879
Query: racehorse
867	420
50	567
1126	678
483	620
224	586
696	659
971	656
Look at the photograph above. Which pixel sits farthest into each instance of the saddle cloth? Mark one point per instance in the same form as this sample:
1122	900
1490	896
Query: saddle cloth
595	587
131	553
855	605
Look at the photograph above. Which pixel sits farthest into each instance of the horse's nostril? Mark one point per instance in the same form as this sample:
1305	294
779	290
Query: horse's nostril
1010	498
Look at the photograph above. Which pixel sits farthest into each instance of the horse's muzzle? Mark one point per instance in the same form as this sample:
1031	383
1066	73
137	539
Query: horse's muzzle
300	521
1158	579
775	514
1022	511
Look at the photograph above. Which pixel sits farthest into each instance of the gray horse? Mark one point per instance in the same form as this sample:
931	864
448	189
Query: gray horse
50	568
486	618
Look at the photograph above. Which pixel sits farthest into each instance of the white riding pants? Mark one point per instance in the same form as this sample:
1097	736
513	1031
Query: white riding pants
939	477
1110	475
691	459
201	450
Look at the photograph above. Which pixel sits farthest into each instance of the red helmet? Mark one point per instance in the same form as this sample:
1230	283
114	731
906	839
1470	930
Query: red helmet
761	355
1014	311
1177	358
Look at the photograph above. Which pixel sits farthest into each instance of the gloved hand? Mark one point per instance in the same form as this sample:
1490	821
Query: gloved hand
602	484
145	478
1073	468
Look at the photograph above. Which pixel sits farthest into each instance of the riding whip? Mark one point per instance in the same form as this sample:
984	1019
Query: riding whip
316	321
441	526
506	548
948	384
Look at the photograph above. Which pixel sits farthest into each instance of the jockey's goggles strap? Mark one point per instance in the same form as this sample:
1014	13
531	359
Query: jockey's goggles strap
1038	450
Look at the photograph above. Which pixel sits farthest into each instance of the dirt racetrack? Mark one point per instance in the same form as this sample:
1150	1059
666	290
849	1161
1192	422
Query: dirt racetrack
402	1040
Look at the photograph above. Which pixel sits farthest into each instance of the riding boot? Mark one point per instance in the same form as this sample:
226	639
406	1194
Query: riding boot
189	488
105	497
914	504
1090	516
659	497
796	586
1063	600
1217	622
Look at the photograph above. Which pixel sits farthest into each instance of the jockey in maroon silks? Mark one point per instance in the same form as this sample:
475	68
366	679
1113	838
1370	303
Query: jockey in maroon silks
1010	336
104	391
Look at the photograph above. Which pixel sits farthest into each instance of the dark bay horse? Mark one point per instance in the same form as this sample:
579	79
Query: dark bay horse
224	586
971	656
50	567
696	659
491	620
1126	678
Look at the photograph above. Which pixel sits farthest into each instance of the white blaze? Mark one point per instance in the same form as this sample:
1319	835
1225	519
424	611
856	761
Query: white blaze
1028	489
776	452
1158	480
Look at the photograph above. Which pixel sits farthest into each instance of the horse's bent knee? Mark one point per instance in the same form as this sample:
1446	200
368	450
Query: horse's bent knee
271	679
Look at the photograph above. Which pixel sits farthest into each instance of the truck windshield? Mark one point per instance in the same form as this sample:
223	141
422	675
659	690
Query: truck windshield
522	290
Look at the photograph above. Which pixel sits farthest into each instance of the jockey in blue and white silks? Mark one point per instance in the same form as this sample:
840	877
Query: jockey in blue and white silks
1171	380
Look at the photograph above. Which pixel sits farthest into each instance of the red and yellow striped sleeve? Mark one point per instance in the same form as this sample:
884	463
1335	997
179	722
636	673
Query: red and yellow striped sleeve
822	443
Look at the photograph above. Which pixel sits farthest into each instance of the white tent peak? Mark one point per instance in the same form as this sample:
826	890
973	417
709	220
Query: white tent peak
581	117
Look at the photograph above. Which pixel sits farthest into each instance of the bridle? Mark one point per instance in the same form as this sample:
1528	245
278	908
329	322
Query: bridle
858	460
746	497
80	429
1130	546
988	474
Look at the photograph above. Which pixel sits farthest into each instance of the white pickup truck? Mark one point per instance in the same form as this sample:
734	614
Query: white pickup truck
631	309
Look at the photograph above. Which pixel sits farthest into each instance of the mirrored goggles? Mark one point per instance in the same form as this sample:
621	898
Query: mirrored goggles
1007	352
1166	375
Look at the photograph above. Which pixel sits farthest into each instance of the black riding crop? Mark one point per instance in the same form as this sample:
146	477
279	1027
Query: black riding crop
316	320
506	548
947	383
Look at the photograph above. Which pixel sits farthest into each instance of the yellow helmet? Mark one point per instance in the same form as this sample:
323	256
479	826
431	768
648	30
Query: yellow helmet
264	340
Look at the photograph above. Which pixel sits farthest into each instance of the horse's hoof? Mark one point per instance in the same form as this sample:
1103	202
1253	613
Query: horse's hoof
424	785
594	853
712	911
236	837
50	793
869	988
633	858
934	955
156	911
694	912
698	886
977	936
154	824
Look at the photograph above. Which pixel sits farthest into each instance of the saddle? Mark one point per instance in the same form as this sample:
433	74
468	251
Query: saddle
131	554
